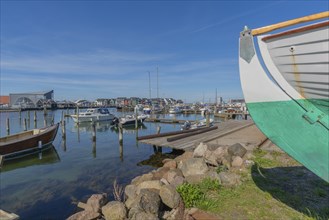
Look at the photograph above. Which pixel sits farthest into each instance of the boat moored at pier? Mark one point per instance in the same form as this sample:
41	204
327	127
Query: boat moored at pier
25	143
287	96
92	115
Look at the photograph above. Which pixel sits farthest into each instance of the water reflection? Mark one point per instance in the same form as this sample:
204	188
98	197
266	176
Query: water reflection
47	156
102	126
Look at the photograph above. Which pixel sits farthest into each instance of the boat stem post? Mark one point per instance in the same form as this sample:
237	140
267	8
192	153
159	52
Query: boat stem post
8	127
25	127
94	132
120	134
40	144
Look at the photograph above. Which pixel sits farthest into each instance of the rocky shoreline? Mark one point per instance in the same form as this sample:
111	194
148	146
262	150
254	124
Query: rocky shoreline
154	195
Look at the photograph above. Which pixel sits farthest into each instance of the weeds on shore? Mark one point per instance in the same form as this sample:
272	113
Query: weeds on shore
118	191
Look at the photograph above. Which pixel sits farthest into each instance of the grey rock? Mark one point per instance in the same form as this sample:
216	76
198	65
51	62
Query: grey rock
137	180
200	150
229	179
210	158
151	184
96	201
237	150
131	191
178	180
237	161
195	179
170	196
147	201
84	215
193	166
114	211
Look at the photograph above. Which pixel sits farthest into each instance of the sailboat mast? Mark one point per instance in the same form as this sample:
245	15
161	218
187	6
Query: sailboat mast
157	83
149	84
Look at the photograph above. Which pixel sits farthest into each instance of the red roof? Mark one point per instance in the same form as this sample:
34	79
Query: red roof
4	99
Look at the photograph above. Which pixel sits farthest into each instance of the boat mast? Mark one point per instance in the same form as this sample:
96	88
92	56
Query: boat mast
149	84
157	83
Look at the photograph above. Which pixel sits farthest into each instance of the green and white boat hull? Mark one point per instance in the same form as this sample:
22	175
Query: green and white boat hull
287	94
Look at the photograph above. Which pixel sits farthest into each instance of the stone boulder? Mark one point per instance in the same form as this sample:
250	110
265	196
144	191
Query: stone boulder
160	173
193	166
170	196
96	201
84	215
137	180
237	161
170	164
151	184
237	150
131	191
200	150
229	179
147	202
114	211
186	155
178	180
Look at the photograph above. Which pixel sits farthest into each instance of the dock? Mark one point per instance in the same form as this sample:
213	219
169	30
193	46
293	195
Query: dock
228	132
167	120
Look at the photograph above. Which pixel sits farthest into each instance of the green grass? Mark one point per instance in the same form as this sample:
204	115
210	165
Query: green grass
271	189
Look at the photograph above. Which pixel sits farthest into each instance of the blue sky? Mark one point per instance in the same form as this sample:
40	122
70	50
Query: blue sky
104	49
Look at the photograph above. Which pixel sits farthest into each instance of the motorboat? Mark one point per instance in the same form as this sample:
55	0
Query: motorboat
131	119
198	124
175	110
147	109
27	142
156	109
285	86
92	115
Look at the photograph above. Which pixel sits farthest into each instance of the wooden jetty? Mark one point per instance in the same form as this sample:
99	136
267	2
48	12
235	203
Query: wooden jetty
167	120
235	130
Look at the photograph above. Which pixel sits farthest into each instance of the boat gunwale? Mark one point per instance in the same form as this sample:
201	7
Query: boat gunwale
296	30
42	132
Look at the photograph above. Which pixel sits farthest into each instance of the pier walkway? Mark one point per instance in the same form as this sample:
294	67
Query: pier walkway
232	131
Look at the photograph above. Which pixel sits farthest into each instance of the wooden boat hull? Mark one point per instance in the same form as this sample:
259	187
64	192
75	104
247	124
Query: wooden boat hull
24	142
281	102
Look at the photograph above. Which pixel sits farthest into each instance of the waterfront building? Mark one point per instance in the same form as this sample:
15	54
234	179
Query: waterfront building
30	100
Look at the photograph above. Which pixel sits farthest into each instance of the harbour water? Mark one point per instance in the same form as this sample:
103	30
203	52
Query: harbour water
49	184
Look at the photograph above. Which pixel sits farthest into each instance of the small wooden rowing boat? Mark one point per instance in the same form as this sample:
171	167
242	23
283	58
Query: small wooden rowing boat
23	143
286	87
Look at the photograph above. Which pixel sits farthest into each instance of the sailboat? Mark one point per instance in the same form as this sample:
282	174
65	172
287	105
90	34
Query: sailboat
286	86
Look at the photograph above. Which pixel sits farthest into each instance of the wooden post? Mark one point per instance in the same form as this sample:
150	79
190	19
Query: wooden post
44	110
120	134
157	149
25	127
77	114
94	148
28	116
35	116
94	132
121	151
8	127
1	161
64	144
207	119
136	118
63	130
20	114
53	120
45	121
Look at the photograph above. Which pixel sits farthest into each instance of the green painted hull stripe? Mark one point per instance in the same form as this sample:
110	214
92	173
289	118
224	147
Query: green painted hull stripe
283	123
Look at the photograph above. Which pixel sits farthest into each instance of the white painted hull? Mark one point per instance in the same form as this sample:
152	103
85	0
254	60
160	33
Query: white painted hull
286	89
92	118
